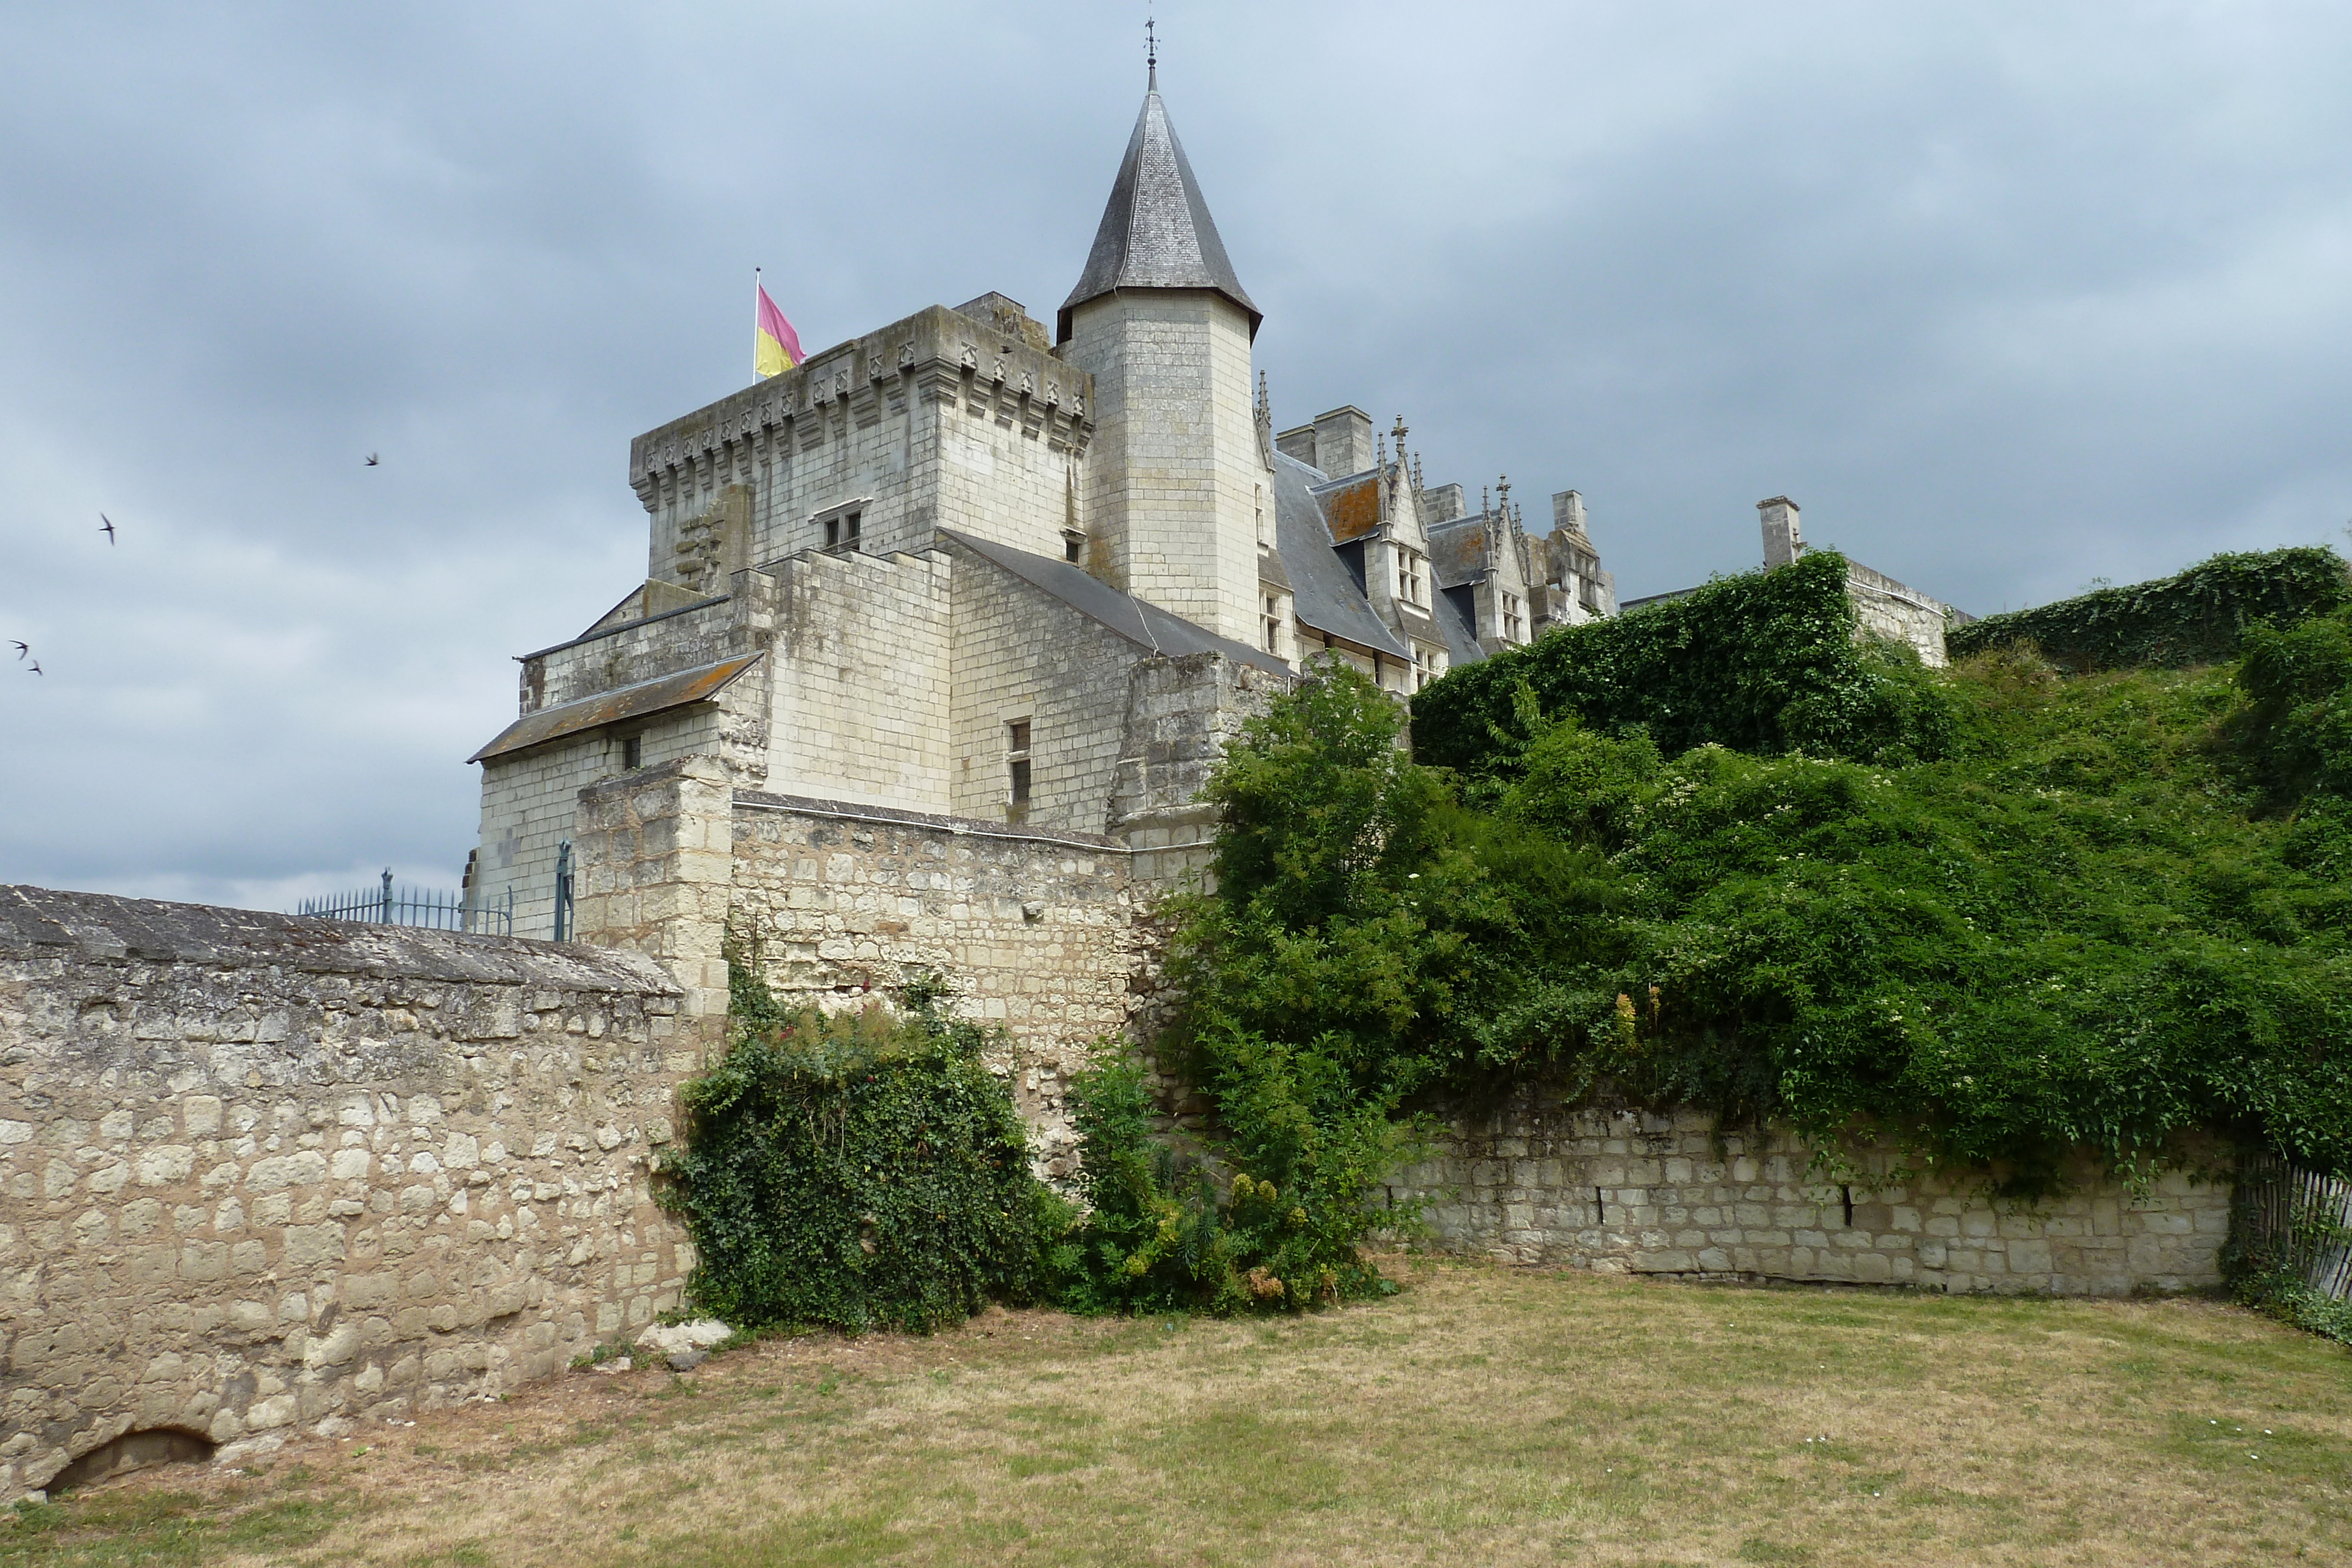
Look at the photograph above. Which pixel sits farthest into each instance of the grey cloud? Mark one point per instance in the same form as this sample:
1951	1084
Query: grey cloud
2008	296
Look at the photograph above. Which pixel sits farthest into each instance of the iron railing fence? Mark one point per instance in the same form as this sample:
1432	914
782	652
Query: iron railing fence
428	908
2297	1222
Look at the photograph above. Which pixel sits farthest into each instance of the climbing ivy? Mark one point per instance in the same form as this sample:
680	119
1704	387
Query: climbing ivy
860	1170
1764	662
2198	617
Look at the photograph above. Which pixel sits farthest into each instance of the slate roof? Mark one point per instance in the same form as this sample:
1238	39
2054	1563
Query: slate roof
658	694
1145	625
1323	592
1461	639
1458	550
1156	232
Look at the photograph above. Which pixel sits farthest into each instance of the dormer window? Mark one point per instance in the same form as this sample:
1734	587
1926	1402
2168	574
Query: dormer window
1514	624
1264	540
1409	567
1271	621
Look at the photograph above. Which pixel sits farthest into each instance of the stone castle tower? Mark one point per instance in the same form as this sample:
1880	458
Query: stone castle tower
992	585
1175	478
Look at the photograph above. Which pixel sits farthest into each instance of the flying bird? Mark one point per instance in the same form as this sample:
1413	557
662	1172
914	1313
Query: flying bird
109	529
37	668
371	460
22	649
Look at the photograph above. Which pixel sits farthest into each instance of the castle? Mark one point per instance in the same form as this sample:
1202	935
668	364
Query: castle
939	635
955	568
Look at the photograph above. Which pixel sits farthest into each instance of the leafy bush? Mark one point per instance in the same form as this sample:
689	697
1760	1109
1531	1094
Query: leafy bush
859	1171
2297	727
2198	617
2070	930
1764	662
2071	938
1168	1229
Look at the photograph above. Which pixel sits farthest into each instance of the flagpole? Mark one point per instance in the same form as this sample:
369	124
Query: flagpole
755	323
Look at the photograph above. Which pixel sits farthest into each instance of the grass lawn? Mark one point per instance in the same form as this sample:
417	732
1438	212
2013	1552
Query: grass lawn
1486	1416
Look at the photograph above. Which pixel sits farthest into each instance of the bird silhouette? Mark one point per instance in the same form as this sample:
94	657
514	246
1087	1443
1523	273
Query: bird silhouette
109	529
22	649
371	460
37	668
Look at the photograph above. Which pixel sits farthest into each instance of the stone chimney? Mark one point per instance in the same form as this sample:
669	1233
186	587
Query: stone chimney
1343	442
1782	541
1567	512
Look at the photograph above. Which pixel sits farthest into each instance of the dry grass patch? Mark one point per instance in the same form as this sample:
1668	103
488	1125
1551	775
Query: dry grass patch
1486	1416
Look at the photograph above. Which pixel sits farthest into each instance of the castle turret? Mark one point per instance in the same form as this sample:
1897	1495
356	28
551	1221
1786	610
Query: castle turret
1174	480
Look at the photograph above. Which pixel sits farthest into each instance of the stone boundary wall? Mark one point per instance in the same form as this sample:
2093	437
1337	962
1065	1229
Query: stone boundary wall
1038	928
1643	1193
260	1173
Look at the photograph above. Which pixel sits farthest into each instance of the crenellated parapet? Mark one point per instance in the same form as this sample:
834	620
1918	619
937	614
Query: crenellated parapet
957	417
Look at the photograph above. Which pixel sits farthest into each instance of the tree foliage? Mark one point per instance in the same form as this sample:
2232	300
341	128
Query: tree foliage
2091	912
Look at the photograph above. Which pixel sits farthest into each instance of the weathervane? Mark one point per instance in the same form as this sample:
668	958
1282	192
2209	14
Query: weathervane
1151	47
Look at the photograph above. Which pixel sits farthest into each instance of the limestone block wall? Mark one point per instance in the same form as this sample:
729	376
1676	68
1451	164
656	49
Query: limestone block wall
1174	478
529	804
1645	1194
260	1174
936	420
721	628
1024	654
860	693
1037	929
654	858
1181	714
1008	467
1900	614
527	797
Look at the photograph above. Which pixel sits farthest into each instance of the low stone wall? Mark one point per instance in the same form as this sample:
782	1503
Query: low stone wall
1634	1193
260	1173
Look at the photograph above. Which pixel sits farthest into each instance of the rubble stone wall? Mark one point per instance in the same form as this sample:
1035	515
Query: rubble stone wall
1643	1194
1037	929
260	1173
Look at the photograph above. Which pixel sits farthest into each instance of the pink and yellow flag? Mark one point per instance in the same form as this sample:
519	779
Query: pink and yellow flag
775	347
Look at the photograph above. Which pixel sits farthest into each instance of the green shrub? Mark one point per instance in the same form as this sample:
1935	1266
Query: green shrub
2295	729
1166	1230
858	1171
2069	931
2198	617
1764	662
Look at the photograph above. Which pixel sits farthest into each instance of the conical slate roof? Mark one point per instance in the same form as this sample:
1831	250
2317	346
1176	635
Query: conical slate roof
1157	232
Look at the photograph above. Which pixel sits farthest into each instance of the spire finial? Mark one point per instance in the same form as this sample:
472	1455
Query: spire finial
1151	52
1400	436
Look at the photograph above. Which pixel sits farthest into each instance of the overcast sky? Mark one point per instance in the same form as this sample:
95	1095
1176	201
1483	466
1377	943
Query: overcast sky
2009	298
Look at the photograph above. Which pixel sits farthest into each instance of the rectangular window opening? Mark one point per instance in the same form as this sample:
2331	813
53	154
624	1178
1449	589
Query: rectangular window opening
632	752
1017	739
